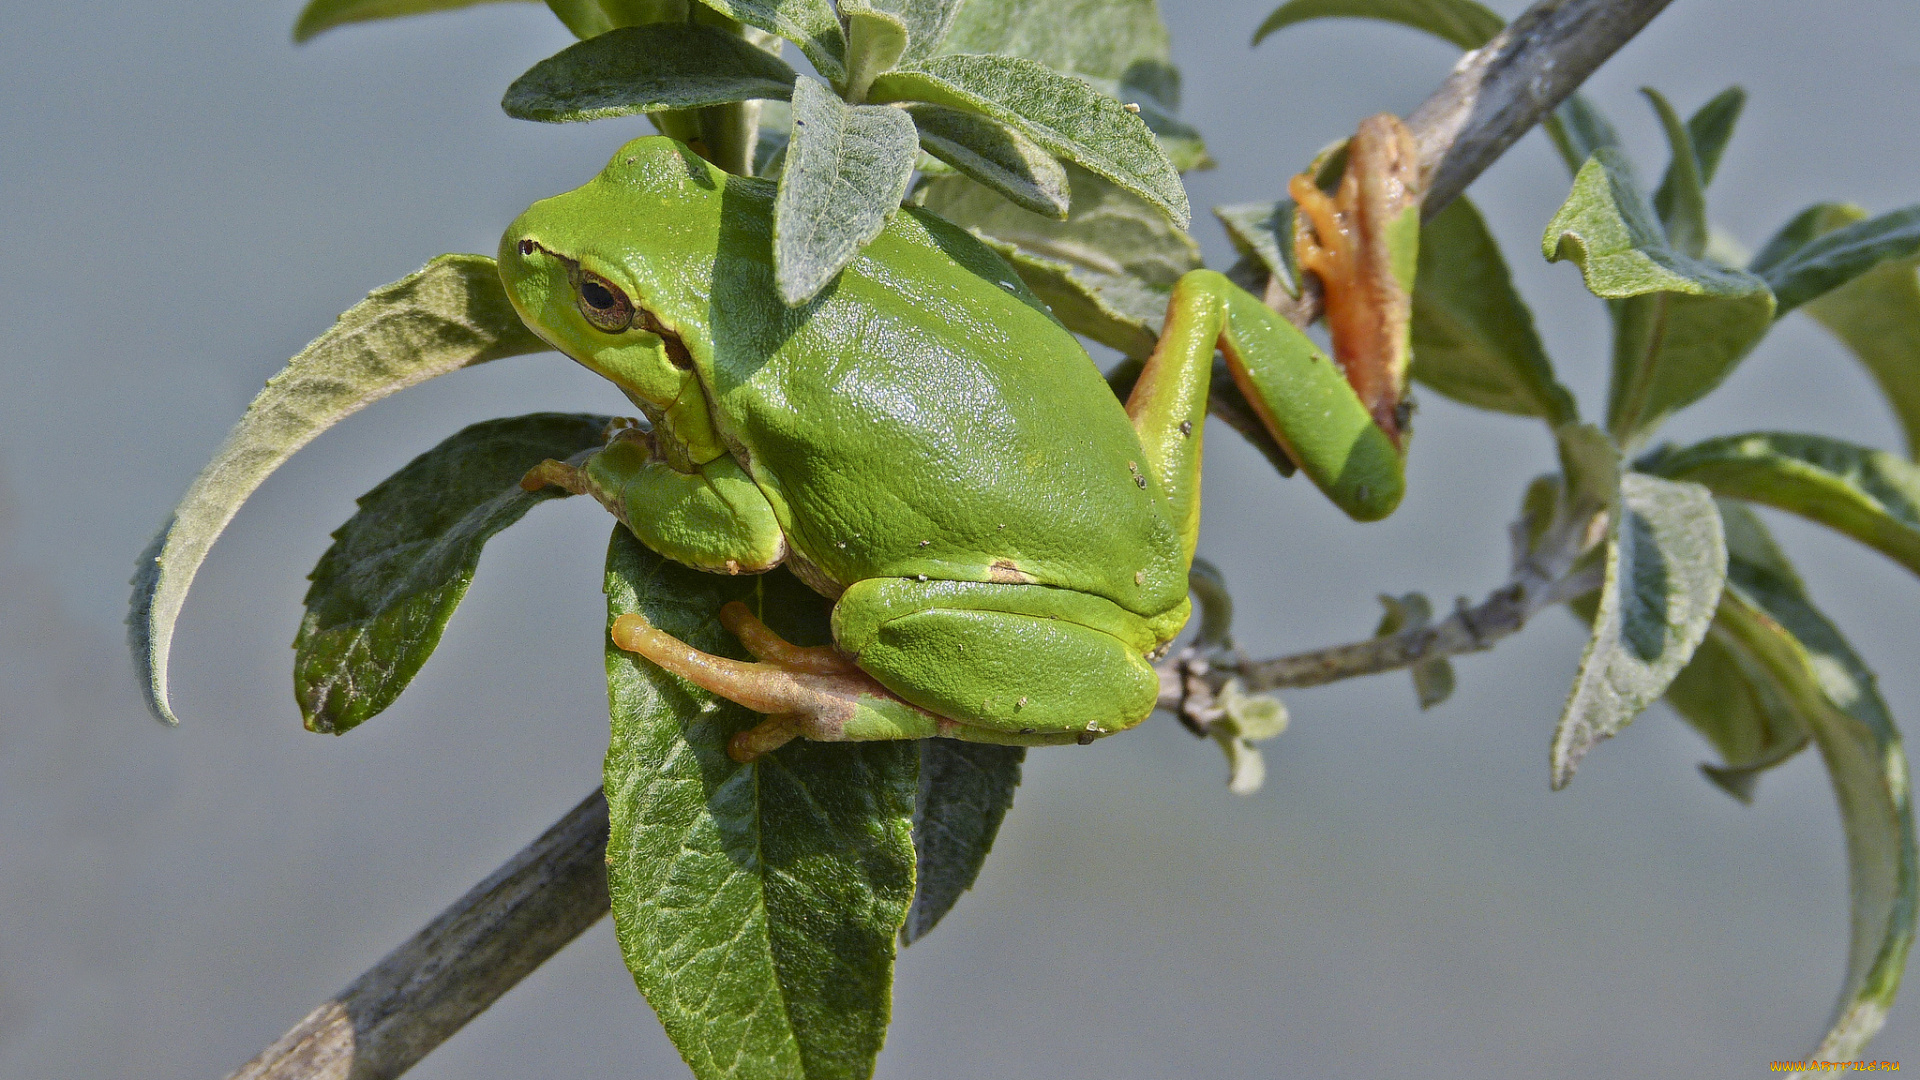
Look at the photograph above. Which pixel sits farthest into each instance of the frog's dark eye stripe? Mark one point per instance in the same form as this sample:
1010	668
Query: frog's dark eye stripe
603	304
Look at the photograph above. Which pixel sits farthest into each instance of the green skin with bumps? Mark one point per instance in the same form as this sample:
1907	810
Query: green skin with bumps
923	442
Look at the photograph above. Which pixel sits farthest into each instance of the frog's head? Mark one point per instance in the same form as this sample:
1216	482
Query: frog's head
610	273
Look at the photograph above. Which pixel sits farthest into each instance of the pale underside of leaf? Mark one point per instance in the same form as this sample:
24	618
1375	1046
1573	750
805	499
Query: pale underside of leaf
319	16
813	25
383	592
997	156
646	69
451	314
847	168
1067	118
1665	565
966	789
1870	495
756	905
927	22
1834	694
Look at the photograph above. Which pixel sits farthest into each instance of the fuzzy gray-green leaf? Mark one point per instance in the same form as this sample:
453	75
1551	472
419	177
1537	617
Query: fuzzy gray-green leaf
1870	495
757	905
1064	116
319	16
1680	323
1432	677
1723	693
811	24
453	313
1812	667
382	594
996	156
646	69
846	171
1263	231
927	22
1666	562
965	791
1835	258
1578	128
1106	271
1473	337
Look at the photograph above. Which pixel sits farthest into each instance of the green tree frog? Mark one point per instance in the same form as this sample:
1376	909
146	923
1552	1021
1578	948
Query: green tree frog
1006	543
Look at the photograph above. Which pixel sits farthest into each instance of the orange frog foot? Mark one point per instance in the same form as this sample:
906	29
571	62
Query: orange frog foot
809	692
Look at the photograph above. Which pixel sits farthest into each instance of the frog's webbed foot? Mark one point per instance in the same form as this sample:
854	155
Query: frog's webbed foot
807	692
1359	242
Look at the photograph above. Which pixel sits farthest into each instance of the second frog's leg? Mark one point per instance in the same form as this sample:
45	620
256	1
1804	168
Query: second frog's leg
1300	395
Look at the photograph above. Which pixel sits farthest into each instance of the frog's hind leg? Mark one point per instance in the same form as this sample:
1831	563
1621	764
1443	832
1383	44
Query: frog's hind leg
1019	664
811	693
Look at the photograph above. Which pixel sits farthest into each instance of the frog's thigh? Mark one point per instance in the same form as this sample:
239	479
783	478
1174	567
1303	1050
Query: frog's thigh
1016	672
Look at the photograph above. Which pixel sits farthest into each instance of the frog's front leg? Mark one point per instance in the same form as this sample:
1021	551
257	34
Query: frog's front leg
713	518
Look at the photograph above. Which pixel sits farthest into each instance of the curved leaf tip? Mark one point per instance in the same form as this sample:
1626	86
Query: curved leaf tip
451	314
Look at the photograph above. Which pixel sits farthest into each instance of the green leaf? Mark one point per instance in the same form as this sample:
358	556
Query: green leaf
646	69
1723	693
965	791
1433	677
452	314
1802	228
811	24
1681	201
1462	22
1473	337
1833	693
1877	316
1120	47
1065	117
1578	128
1666	563
1870	495
384	591
1683	323
319	16
1263	232
1711	128
1107	271
1818	267
846	171
875	42
927	22
996	156
757	905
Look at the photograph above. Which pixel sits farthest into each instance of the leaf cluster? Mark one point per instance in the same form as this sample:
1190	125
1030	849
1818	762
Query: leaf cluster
1697	605
759	905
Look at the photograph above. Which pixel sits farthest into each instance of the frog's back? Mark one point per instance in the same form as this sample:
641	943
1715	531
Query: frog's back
927	416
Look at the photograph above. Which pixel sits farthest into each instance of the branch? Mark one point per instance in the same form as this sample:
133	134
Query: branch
548	894
455	967
1496	94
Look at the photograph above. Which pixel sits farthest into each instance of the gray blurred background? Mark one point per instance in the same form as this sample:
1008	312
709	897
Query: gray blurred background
186	199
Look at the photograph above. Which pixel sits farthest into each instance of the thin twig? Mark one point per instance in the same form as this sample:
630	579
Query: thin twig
549	893
455	967
1496	94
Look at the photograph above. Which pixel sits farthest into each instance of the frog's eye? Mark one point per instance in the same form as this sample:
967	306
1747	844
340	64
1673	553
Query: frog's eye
603	304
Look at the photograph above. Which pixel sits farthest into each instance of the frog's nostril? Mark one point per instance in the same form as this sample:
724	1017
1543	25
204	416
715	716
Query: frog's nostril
527	246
